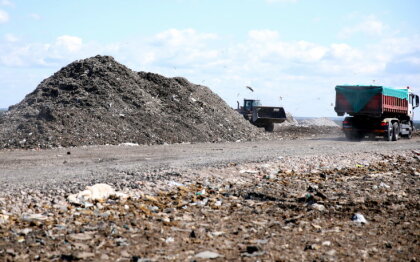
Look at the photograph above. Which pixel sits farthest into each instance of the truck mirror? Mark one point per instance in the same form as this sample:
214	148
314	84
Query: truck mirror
417	101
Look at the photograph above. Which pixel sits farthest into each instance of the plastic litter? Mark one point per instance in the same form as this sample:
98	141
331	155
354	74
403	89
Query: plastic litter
359	218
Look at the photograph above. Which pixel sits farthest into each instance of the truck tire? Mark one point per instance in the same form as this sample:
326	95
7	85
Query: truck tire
354	135
395	131
269	127
348	135
410	134
389	134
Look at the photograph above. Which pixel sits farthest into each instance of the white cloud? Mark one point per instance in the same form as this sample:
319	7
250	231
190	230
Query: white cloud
263	35
369	26
266	45
6	3
35	16
175	37
11	38
345	52
68	43
4	17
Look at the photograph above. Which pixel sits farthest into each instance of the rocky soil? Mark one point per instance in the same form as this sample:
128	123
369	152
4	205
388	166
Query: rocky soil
98	101
342	207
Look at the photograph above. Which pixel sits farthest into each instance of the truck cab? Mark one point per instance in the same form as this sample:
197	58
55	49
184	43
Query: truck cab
249	104
413	102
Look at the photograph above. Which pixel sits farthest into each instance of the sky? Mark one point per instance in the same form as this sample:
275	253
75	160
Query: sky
291	52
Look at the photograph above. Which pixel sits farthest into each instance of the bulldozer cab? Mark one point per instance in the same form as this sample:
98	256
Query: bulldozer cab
249	104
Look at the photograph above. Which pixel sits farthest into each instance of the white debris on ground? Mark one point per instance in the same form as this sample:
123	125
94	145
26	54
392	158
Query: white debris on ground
95	193
128	144
310	122
323	121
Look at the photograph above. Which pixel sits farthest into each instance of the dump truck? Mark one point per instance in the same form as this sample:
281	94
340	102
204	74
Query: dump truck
376	111
261	116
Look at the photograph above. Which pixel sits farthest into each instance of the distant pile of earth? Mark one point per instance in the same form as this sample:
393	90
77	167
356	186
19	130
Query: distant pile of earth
99	101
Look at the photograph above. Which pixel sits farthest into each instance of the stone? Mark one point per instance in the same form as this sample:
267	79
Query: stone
82	236
318	207
207	255
34	217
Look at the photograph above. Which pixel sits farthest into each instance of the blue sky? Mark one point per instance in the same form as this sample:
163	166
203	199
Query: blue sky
292	52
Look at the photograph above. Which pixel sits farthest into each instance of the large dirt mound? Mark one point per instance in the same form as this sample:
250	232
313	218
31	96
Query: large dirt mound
99	101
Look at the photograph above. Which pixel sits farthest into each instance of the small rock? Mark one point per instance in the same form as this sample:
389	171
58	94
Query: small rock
174	183
84	255
252	249
25	231
218	203
248	171
318	207
208	255
331	252
4	219
82	236
34	217
383	185
124	253
217	233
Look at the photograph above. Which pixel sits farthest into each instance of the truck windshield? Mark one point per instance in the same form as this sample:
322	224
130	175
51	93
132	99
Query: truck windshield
249	104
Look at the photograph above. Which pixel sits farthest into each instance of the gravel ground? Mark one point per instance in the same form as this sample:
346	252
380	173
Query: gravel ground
314	198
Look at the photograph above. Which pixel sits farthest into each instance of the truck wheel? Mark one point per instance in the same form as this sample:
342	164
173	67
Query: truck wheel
269	127
410	134
395	131
389	134
348	135
354	135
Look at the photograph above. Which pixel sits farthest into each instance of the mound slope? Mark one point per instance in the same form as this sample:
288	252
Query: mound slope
99	101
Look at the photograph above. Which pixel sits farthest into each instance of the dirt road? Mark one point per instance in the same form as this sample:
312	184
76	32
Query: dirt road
85	165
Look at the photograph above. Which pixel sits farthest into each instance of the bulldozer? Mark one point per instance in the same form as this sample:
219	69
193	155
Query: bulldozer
261	116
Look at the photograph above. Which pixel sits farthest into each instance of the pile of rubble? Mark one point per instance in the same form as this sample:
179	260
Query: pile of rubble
99	101
294	128
324	122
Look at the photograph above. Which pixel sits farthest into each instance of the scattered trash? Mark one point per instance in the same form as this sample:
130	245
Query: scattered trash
128	144
248	172
169	240
383	185
359	218
200	193
174	183
95	193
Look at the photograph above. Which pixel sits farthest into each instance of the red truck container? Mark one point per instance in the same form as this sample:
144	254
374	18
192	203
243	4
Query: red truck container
376	110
